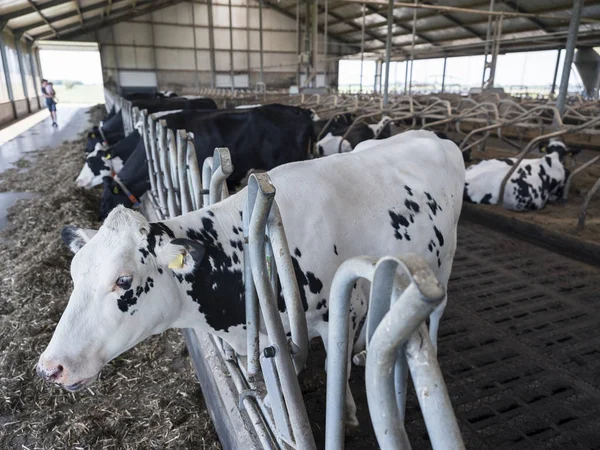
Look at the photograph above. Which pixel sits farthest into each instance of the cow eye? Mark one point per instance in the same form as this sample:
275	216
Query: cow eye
124	282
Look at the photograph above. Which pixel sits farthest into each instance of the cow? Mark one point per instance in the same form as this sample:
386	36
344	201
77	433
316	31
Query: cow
164	104
103	161
133	175
133	278
535	181
149	95
263	137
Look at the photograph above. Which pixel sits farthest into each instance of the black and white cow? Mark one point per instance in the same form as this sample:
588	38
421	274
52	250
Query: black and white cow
133	175
164	104
133	279
103	161
535	182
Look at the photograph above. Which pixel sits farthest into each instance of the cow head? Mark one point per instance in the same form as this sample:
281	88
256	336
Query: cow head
558	145
124	290
98	164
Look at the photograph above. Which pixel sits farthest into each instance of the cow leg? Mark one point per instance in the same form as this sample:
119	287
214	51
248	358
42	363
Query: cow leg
434	322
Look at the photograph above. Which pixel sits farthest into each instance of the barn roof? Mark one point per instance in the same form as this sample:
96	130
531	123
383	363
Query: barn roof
457	28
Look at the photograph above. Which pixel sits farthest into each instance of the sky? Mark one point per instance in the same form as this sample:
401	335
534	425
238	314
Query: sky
72	65
513	70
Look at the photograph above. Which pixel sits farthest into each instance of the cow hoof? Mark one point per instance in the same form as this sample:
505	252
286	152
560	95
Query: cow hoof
360	359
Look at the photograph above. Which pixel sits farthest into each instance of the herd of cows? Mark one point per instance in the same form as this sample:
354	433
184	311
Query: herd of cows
393	195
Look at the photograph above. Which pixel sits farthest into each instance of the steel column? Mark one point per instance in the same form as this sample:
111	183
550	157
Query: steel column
194	41
325	62
22	71
388	49
211	44
570	52
362	46
232	73
444	75
7	72
412	50
487	42
556	71
315	41
33	72
116	54
260	27
298	43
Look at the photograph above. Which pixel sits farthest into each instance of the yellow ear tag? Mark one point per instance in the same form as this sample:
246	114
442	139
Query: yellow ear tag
543	149
177	263
93	135
107	156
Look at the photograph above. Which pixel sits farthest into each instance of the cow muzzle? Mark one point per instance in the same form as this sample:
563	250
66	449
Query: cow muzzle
59	374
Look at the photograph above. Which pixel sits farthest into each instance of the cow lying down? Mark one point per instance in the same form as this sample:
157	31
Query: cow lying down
535	182
133	279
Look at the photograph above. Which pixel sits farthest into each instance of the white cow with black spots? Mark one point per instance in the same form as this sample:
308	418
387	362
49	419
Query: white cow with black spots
133	279
535	182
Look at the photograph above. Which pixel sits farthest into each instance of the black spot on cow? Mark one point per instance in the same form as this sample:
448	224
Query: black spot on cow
433	205
215	286
408	190
439	263
298	253
430	246
528	169
326	317
412	206
127	300
407	236
335	249
235	230
398	220
156	231
486	199
314	284
235	258
211	214
160	271
237	244
508	161
322	304
439	236
302	282
548	161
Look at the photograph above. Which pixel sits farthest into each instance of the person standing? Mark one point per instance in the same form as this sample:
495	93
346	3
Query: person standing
49	95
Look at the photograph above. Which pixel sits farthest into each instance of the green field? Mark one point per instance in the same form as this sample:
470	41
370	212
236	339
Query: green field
81	93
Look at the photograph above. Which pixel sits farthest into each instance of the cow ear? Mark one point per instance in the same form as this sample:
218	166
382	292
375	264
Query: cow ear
182	255
75	238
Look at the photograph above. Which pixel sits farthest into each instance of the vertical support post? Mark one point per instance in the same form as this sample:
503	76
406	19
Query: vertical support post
7	71
315	41
22	70
444	74
388	50
412	49
487	43
325	62
248	53
116	54
570	52
553	90
298	43
260	26
362	46
232	73
33	72
211	43
406	75
378	69
195	46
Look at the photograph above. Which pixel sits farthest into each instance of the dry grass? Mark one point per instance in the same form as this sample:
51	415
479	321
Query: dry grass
147	398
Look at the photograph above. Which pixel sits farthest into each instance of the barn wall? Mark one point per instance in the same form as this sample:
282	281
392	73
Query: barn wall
161	46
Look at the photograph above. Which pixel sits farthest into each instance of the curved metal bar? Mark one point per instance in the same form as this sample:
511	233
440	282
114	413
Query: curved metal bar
221	169
149	158
160	187
207	170
287	375
185	198
193	173
584	206
173	165
577	171
165	172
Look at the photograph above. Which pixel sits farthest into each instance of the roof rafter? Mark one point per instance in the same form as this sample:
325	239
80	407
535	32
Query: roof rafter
78	8
34	6
537	22
29	9
398	24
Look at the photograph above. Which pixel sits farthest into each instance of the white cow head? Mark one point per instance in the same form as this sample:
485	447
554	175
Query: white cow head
98	164
125	286
330	144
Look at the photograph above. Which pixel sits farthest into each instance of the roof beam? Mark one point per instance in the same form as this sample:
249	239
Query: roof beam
29	9
69	15
34	6
398	24
78	7
279	9
537	22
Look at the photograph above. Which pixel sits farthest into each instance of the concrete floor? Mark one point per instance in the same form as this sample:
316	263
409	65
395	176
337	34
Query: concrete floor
72	120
